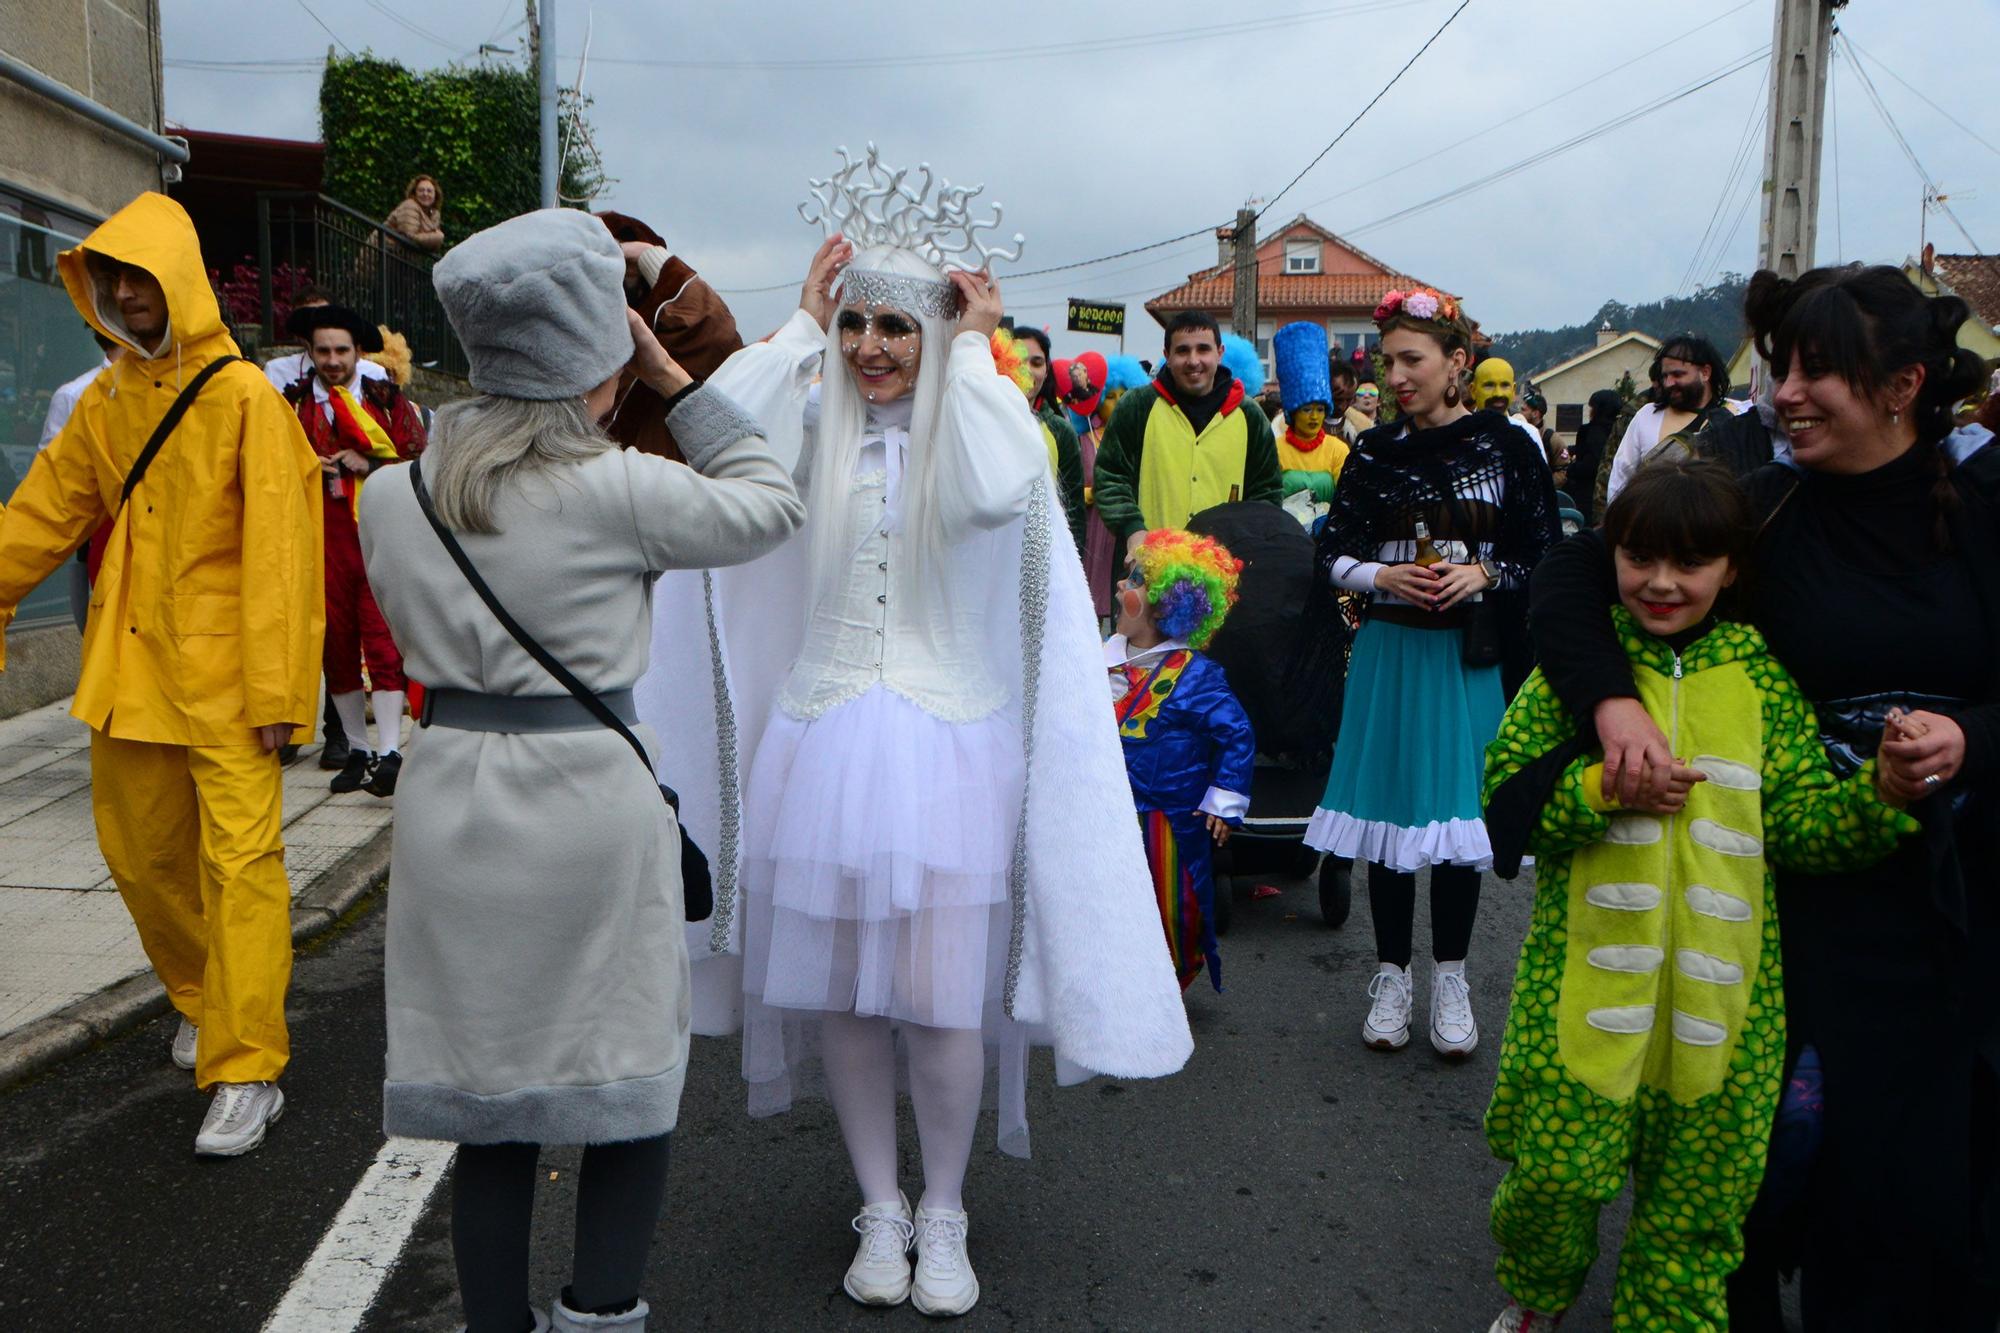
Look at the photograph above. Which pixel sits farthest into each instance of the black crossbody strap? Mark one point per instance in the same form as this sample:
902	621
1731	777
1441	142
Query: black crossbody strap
584	695
182	401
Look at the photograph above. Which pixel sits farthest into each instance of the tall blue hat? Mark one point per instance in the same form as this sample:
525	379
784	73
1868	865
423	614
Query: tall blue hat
1298	354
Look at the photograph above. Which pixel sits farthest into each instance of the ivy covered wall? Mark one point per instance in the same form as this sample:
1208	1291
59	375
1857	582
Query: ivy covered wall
472	128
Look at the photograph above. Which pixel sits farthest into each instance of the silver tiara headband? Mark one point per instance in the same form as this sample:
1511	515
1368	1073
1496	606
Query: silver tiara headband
872	204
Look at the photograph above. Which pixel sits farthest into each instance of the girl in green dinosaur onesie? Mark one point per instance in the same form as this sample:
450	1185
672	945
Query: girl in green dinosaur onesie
1647	1030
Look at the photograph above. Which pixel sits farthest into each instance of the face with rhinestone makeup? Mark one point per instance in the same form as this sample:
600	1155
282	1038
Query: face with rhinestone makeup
883	347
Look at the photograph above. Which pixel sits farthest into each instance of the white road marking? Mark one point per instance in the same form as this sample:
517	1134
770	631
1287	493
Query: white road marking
339	1282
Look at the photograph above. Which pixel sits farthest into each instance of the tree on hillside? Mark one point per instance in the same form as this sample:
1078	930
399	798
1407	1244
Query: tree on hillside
1714	312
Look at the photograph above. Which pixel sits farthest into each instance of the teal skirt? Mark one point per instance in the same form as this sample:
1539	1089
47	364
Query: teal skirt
1405	787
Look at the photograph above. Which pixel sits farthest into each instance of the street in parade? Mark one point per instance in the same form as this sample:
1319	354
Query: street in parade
773	668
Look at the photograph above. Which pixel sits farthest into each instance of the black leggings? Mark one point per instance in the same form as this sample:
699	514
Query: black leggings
1392	901
618	1198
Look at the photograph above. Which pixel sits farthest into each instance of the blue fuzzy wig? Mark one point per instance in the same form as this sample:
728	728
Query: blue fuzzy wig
1240	355
1125	372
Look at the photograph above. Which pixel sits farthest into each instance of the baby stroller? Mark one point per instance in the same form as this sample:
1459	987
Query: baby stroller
1295	720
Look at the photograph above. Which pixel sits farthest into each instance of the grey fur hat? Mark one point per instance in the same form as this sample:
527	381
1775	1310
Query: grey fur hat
538	303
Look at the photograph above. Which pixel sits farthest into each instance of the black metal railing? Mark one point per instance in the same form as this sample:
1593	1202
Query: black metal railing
359	263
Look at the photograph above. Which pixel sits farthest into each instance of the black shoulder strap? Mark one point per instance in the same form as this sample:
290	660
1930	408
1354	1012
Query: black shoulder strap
181	403
584	695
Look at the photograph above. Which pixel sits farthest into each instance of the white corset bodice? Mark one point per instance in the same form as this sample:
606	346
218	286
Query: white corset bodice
864	635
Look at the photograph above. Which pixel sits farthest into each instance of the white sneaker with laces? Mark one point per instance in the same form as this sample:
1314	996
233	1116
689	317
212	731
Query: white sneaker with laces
183	1048
944	1284
1453	1030
1387	1027
880	1273
237	1118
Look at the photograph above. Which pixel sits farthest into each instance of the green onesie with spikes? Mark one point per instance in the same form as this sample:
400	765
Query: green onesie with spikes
1647	1031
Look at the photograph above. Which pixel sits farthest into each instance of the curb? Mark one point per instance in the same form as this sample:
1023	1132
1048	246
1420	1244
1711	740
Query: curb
117	1008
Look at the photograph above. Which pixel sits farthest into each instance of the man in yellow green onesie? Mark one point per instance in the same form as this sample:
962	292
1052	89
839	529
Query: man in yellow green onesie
1646	1034
1188	441
199	658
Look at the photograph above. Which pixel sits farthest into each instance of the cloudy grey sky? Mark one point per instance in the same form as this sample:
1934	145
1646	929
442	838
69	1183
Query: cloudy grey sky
1100	133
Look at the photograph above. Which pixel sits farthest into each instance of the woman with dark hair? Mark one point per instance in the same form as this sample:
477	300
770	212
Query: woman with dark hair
1878	587
1437	514
1587	455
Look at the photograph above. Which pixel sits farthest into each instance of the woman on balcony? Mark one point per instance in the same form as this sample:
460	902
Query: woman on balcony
417	218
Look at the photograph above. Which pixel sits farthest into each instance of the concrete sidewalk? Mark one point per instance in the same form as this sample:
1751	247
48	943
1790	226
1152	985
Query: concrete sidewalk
71	970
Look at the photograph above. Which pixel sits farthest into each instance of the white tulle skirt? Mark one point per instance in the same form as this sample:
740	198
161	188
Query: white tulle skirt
877	845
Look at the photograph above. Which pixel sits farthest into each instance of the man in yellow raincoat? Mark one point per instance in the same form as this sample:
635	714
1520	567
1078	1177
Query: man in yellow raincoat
198	663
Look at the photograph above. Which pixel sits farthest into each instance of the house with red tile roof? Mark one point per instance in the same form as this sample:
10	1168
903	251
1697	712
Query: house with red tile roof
1304	272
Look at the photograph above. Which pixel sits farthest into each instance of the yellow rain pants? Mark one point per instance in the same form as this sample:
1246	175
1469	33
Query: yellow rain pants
194	839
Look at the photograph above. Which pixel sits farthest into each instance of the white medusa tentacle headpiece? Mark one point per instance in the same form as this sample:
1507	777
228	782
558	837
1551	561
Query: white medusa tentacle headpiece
874	206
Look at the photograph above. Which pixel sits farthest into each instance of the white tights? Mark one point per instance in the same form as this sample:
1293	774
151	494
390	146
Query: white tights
947	1073
388	720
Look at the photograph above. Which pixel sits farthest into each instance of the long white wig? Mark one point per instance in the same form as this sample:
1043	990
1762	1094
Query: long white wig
843	414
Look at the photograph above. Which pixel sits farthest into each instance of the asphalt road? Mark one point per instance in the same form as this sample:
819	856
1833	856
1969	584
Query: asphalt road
1287	1179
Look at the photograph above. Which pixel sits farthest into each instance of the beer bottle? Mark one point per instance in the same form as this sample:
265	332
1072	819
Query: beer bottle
1427	553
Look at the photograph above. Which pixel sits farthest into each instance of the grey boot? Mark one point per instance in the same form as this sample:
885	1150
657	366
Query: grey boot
565	1320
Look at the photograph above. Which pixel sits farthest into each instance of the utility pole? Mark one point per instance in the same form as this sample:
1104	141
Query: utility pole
1243	251
545	67
1801	47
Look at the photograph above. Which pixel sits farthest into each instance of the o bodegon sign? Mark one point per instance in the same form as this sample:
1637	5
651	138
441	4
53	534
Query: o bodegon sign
1096	317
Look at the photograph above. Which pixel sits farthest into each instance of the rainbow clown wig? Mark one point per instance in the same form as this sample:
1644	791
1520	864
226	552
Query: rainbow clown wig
1189	581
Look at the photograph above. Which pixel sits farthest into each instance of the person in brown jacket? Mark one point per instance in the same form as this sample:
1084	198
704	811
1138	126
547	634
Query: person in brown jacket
688	318
416	218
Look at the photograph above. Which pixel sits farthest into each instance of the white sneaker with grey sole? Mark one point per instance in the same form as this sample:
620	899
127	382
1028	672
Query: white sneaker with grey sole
944	1284
1454	1032
237	1118
880	1273
183	1047
1387	1027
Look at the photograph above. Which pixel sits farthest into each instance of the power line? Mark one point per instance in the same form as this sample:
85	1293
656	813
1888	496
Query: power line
1462	4
1577	141
1737	163
1458	145
1085	46
407	26
1981	140
1930	184
322	23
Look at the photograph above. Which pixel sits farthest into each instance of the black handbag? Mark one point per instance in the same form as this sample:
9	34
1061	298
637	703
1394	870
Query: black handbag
697	885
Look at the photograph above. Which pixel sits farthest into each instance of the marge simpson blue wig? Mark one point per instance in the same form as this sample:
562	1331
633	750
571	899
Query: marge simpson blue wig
1190	583
1240	355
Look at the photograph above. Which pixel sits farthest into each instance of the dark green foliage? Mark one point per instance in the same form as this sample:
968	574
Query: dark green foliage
1716	313
472	128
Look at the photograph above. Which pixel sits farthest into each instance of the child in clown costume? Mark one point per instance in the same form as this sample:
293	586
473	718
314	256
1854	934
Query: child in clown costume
1309	455
1647	1031
1189	749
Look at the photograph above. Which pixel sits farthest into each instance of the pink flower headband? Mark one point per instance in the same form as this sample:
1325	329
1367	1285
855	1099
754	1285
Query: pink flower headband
1418	303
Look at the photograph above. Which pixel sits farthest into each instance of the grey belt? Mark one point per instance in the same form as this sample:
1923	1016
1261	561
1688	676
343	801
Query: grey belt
469	710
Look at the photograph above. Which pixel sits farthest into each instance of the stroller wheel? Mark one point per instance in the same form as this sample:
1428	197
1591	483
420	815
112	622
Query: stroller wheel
1225	894
1336	895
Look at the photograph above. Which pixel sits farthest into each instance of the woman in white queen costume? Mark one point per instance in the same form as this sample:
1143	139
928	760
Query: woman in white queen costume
938	857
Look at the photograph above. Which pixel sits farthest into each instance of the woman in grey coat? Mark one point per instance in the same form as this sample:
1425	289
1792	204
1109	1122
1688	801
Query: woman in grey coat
536	966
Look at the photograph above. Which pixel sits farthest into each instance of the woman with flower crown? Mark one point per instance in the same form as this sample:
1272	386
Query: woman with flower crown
1439	517
910	699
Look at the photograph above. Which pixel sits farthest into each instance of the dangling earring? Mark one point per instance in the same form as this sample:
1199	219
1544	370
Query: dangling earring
1451	394
1895	417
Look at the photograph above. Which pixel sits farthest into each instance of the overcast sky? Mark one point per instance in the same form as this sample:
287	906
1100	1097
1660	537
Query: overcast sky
1099	136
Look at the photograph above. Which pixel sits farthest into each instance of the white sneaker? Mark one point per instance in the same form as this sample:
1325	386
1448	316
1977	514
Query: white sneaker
562	1319
880	1273
944	1282
237	1118
183	1048
1387	1027
1453	1031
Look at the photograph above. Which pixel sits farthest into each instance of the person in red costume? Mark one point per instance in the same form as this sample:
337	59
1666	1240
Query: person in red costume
356	426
